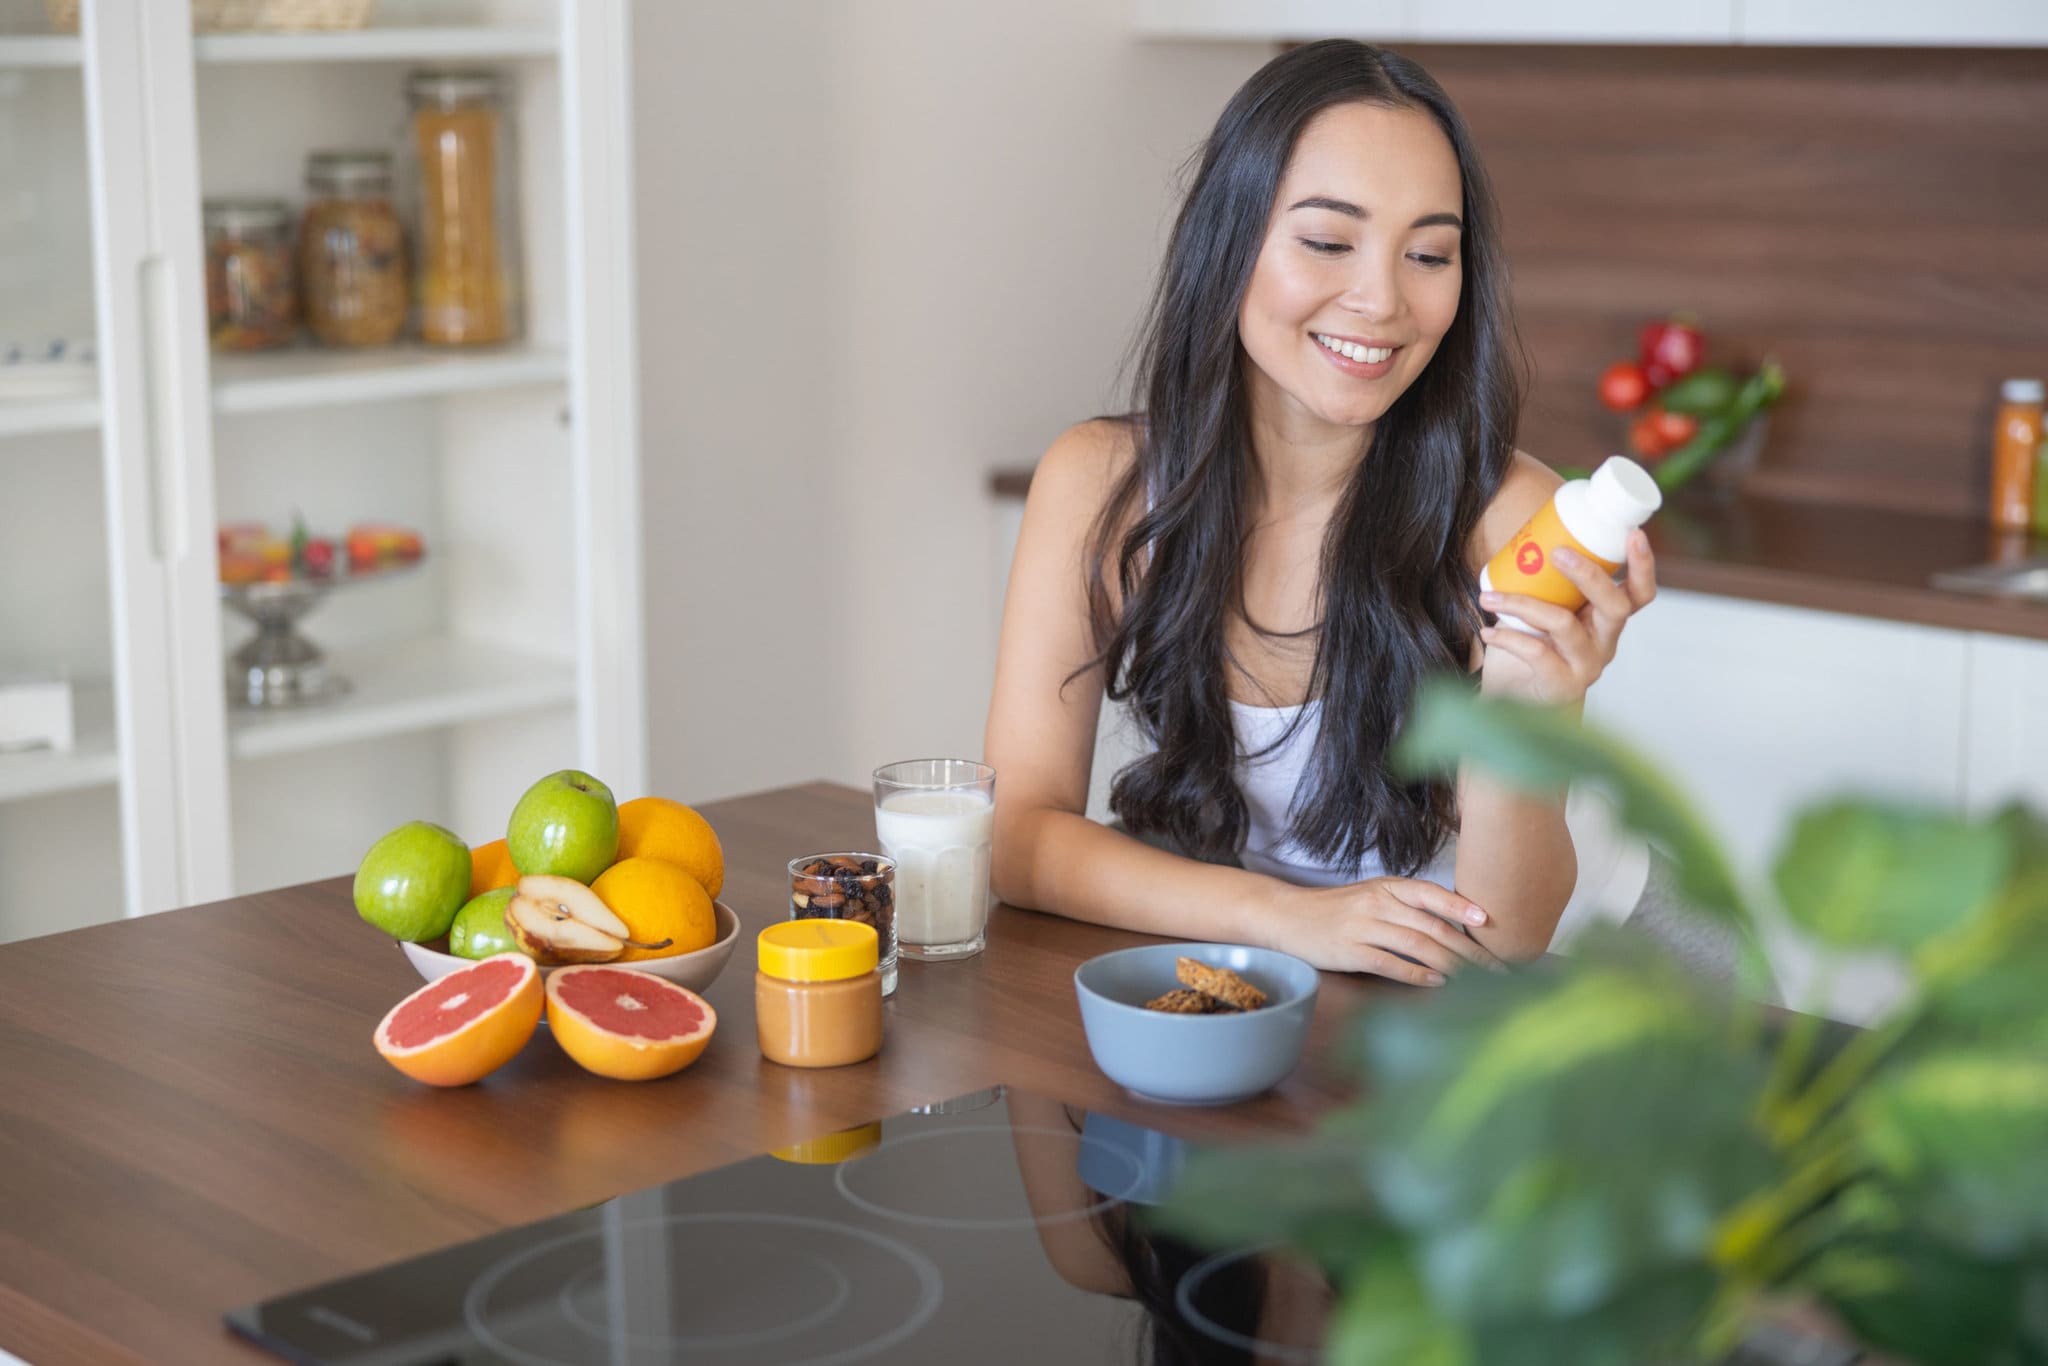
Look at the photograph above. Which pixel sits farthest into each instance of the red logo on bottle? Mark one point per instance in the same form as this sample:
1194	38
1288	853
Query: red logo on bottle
1529	559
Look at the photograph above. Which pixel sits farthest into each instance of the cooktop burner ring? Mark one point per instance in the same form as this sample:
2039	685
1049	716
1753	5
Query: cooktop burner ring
1184	1301
1109	1199
930	1290
841	1292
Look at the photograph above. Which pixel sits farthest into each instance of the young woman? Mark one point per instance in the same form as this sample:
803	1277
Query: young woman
1267	556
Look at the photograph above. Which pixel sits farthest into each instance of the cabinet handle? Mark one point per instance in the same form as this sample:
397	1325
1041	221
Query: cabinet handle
160	402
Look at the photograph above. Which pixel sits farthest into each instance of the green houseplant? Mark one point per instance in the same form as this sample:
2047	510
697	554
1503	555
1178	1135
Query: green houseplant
1598	1161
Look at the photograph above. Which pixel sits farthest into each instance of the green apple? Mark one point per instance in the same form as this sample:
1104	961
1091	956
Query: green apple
413	881
567	825
480	930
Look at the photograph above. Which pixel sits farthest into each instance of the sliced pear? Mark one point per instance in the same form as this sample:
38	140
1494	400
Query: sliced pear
554	936
573	898
566	897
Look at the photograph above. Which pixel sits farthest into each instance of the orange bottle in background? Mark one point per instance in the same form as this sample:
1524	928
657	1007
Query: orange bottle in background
2014	443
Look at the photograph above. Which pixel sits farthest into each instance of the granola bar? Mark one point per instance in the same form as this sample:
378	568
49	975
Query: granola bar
1222	983
1186	1002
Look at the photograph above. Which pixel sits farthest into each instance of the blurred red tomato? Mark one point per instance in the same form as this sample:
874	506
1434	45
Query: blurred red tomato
1623	386
1674	429
1644	438
1670	349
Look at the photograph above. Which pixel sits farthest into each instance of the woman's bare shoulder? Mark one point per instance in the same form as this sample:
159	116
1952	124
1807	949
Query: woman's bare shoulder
1528	486
1086	461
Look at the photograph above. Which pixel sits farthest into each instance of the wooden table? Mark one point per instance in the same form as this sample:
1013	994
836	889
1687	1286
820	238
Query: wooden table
193	1117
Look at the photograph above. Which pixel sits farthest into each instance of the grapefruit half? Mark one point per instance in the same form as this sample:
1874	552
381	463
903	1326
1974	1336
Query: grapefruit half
620	1022
467	1025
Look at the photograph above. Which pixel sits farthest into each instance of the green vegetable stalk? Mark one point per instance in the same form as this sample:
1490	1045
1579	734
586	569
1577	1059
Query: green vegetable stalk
1719	428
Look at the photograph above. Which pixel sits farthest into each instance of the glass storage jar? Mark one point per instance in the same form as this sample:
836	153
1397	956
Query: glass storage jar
818	993
352	250
251	296
468	243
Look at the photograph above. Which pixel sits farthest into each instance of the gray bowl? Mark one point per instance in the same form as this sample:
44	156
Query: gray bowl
1194	1059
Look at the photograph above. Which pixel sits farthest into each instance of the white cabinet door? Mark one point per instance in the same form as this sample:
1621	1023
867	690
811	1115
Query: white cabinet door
1572	21
1961	23
2006	753
1757	710
157	451
1273	20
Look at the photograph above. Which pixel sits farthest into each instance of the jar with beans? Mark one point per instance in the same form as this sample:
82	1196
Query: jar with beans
352	263
251	296
849	886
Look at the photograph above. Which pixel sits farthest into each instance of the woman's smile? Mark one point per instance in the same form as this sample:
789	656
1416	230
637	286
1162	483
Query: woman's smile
1355	356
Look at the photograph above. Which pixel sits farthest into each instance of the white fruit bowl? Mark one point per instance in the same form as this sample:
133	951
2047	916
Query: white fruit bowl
693	970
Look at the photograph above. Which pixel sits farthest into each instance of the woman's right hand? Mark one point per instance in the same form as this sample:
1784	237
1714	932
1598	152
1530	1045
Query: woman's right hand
1377	925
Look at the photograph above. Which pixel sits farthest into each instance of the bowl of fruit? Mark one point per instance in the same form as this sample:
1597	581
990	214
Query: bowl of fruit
578	879
1686	417
275	581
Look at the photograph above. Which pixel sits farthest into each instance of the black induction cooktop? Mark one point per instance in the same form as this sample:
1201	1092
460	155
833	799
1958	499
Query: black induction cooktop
992	1228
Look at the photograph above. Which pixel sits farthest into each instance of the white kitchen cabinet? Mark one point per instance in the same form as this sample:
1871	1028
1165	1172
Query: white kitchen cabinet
1577	21
1567	21
2005	755
1847	23
1954	23
1757	710
518	646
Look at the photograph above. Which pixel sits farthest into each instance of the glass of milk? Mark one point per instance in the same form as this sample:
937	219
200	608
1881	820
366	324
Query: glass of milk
936	818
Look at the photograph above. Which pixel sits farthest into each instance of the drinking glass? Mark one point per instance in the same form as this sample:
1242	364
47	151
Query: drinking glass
936	818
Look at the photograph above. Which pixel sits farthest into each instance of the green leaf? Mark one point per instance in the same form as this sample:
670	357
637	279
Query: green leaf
1965	1136
1542	749
1385	1319
1914	1299
1551	1138
1859	874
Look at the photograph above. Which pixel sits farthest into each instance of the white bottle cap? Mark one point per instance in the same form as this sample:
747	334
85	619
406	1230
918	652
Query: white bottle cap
2022	391
1624	492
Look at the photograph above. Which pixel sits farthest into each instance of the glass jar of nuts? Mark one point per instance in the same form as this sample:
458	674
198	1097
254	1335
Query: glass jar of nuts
352	265
849	886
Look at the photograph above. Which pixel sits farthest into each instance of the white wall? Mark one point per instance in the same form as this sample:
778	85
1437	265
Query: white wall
886	247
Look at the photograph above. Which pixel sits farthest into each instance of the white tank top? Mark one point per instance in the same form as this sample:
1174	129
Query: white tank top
1271	779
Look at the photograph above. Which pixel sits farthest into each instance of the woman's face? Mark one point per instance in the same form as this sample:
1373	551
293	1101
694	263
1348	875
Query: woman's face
1359	276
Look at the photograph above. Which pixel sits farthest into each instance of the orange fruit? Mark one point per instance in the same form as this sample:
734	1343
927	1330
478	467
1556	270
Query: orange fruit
490	867
655	827
658	901
466	1025
623	1023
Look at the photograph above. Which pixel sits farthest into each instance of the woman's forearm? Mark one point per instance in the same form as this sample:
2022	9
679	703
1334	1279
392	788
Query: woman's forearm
1052	860
1516	861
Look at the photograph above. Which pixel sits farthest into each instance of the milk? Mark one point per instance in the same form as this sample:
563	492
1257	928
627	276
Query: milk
940	841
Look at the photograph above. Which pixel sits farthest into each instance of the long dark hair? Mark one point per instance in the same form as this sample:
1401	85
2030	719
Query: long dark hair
1397	598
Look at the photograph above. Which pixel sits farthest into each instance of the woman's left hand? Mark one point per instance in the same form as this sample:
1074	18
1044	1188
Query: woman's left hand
1574	648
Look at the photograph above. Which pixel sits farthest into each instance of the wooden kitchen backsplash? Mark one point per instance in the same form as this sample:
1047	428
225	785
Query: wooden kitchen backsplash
1878	219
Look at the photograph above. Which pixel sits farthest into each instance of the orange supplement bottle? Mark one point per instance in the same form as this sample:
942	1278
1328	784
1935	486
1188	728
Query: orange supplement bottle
1593	516
818	993
2014	445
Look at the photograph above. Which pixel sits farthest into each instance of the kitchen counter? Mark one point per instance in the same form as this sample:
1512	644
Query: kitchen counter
1862	561
195	1118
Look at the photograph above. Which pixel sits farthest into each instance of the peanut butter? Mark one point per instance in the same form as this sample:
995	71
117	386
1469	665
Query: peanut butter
818	993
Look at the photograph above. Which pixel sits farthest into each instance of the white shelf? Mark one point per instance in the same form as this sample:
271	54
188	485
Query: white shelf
92	761
307	378
41	49
415	685
32	416
479	43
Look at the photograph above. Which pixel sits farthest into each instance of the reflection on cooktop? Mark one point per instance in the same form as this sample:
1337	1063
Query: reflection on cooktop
995	1228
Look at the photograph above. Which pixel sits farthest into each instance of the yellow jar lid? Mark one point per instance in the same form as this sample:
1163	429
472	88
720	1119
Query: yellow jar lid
818	950
829	1148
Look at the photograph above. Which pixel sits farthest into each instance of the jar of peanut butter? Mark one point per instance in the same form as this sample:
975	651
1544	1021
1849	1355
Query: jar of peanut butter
818	993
